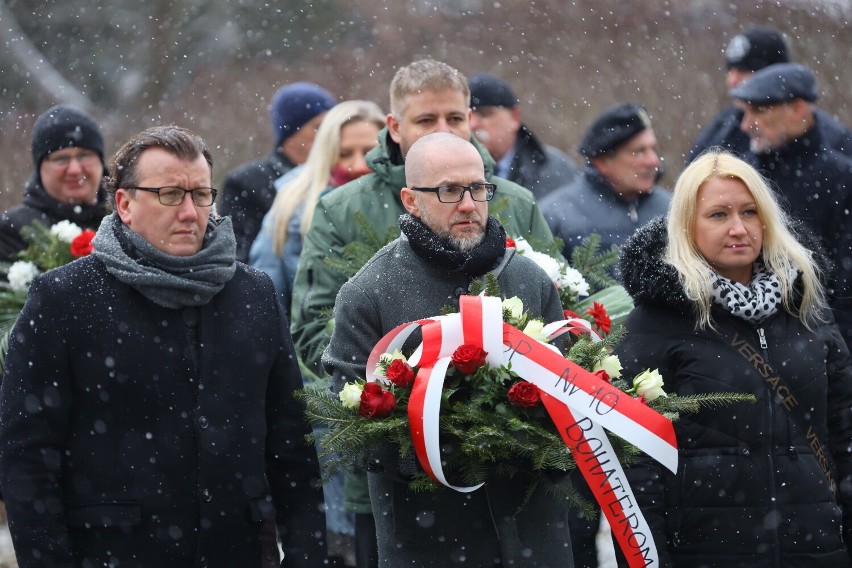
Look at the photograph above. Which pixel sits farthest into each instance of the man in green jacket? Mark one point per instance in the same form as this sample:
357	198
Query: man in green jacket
426	96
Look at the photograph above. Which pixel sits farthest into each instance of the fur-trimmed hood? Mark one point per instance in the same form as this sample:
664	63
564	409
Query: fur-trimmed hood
645	275
651	281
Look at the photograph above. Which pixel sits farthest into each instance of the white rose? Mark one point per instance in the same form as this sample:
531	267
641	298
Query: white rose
611	364
21	275
386	359
515	306
572	279
649	384
350	396
66	231
547	263
534	329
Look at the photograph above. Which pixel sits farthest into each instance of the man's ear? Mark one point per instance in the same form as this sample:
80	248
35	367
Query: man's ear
801	110
393	127
409	201
122	205
516	115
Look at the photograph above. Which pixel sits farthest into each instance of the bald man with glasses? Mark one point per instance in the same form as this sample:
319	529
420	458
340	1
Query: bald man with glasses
448	240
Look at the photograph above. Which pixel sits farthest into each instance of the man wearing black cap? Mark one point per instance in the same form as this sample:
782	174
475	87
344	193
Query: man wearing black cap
749	52
814	179
521	157
68	154
616	192
295	114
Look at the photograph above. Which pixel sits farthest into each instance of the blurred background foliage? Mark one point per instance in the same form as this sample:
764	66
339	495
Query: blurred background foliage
212	65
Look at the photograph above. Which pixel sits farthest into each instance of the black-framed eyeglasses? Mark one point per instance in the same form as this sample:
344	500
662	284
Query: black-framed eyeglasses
455	193
174	196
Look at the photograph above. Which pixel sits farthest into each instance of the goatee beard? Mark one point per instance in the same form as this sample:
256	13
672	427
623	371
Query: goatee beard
467	243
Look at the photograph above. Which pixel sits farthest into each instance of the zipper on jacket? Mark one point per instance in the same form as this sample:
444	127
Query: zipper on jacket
770	406
763	345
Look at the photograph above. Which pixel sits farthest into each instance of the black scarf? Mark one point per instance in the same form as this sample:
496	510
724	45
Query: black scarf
435	250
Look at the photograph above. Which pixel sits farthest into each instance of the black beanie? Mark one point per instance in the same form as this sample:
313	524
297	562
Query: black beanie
756	48
64	126
487	90
614	126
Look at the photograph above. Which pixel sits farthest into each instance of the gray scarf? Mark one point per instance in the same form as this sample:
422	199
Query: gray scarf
169	281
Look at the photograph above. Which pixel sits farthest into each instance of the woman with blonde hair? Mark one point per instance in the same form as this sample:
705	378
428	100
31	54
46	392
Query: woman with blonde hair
730	296
348	131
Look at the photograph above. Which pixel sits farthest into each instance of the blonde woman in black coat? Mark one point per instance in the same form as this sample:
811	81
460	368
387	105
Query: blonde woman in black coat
730	298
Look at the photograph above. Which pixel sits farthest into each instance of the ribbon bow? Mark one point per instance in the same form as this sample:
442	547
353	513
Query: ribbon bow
580	404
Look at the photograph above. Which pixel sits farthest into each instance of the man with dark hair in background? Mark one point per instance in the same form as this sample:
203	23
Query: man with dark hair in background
248	191
519	155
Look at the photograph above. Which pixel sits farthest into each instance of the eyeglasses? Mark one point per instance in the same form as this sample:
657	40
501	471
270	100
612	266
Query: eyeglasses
455	193
84	158
174	196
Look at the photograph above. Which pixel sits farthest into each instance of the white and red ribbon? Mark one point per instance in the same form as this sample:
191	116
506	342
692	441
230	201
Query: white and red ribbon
580	404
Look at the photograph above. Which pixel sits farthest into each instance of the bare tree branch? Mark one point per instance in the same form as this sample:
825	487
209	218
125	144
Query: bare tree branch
30	58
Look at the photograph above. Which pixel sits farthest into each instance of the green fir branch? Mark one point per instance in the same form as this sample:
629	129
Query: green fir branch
595	265
696	402
355	254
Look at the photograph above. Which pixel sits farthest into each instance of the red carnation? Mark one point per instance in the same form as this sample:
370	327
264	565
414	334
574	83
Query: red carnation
468	358
510	243
602	375
82	244
400	373
376	402
602	321
524	394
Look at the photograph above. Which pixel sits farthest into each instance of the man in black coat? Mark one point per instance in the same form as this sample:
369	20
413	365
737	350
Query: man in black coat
754	49
814	181
68	155
146	410
248	191
519	155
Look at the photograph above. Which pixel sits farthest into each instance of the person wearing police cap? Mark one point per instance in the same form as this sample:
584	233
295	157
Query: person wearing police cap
617	191
248	191
748	52
519	154
814	179
68	155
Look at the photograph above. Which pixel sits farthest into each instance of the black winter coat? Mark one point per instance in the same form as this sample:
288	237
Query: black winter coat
39	205
725	131
134	435
248	193
748	490
816	184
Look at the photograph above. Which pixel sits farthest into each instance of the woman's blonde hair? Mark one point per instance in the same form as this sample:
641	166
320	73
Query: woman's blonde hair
314	176
781	252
